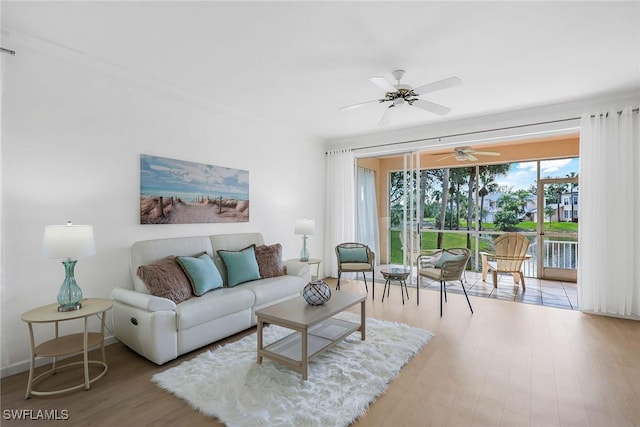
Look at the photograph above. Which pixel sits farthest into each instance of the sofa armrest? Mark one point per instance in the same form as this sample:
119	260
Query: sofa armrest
298	268
142	301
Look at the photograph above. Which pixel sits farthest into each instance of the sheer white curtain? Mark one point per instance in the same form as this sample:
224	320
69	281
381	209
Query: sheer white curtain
367	210
609	209
340	205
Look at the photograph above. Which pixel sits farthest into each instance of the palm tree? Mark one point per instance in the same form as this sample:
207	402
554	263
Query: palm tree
487	175
523	196
554	192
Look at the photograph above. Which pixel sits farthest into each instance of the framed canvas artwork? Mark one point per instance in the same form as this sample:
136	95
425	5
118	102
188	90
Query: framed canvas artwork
180	192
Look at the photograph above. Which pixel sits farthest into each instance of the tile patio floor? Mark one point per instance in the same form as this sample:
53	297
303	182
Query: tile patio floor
539	292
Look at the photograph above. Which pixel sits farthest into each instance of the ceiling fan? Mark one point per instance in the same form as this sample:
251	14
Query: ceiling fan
399	94
465	154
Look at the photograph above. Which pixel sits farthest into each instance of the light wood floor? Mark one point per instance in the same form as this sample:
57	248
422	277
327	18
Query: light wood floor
507	364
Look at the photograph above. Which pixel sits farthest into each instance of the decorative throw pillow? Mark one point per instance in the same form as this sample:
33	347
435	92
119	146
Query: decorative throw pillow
166	279
269	258
447	256
241	265
430	261
353	254
202	273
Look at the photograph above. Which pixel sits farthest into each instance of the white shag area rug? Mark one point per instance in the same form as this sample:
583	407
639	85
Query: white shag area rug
228	384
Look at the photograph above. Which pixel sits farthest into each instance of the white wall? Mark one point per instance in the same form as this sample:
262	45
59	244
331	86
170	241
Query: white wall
73	130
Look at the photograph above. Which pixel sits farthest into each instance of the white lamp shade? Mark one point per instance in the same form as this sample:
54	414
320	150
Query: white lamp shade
305	226
68	241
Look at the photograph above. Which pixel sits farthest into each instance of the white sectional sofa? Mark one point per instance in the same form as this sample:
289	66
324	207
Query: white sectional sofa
161	330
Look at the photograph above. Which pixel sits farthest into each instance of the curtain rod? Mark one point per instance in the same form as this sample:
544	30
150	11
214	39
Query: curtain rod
390	144
634	110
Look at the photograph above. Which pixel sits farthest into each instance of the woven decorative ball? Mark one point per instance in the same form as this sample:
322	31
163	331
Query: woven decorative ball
316	293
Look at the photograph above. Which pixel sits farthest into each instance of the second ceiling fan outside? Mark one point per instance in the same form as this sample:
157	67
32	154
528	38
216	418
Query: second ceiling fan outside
465	154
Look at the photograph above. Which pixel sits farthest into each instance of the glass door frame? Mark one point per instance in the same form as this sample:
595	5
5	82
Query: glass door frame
552	273
410	224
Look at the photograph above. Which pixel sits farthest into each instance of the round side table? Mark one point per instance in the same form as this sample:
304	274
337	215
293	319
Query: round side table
67	344
398	275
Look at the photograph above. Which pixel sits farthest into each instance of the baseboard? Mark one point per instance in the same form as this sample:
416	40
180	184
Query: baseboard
23	366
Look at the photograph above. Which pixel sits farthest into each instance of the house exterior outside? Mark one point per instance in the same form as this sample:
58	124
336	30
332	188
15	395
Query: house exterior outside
565	211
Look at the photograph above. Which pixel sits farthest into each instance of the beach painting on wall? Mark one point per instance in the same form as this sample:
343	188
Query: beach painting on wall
179	192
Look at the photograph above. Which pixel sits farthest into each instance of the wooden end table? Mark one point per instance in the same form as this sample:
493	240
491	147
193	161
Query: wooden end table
67	344
311	261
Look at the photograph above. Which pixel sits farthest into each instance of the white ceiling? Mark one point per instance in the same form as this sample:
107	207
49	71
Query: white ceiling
296	63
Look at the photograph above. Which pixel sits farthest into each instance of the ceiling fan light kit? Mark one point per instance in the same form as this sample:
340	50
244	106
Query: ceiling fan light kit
401	94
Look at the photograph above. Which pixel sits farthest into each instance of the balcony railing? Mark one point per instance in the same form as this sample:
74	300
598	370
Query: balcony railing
557	254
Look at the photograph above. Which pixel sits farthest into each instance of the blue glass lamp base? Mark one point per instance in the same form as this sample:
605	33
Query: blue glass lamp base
70	293
304	253
66	308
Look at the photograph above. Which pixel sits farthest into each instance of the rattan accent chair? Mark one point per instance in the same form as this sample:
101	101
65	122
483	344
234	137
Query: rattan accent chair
444	265
355	258
510	253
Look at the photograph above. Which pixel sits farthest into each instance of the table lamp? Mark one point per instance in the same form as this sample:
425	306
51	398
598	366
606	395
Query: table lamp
305	227
68	242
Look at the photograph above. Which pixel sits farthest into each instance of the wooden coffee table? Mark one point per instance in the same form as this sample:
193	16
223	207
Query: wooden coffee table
315	328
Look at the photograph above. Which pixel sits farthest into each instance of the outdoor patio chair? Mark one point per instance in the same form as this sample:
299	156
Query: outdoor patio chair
510	253
444	265
355	258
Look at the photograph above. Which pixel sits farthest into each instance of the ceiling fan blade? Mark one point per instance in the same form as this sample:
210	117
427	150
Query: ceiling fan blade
359	104
430	106
383	83
386	117
441	84
471	157
486	153
445	157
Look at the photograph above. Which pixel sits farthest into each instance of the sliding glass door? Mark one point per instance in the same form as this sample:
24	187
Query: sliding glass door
558	228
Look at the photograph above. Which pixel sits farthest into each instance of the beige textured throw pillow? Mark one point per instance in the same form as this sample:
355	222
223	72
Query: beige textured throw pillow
166	279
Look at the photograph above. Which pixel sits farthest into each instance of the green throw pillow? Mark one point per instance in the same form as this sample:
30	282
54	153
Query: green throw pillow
447	256
353	254
202	273
241	265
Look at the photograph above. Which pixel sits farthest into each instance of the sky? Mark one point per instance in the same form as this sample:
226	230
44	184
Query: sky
523	175
162	176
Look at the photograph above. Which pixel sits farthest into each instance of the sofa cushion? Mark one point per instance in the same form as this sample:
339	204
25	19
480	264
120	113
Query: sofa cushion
274	288
202	273
213	305
269	258
166	279
241	265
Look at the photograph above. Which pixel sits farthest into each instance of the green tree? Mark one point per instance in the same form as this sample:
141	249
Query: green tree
487	175
549	211
553	194
506	220
443	204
